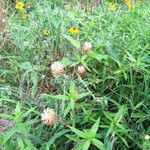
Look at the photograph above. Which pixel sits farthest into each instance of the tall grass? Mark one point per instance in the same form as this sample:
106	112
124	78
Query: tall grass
108	108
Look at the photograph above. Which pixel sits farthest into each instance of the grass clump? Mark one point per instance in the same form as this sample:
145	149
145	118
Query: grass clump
75	76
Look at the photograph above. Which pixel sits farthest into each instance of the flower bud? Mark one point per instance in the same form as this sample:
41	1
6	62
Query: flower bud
49	117
57	69
81	70
86	47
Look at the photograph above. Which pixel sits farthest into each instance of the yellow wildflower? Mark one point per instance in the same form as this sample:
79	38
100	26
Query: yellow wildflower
74	30
129	4
71	30
19	5
24	16
112	6
46	32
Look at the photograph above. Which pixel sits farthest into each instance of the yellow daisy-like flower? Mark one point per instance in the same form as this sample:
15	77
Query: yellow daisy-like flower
46	32
129	4
112	6
24	16
71	30
74	30
19	5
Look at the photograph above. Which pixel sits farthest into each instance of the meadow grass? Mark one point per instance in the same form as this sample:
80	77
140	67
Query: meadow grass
88	62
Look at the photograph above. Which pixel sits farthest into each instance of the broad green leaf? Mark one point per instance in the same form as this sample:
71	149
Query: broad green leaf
56	97
74	42
113	53
28	112
97	56
30	148
56	136
8	100
137	115
131	57
98	144
72	104
66	62
78	132
138	105
122	110
122	128
7	116
79	145
34	78
72	88
1	138
124	141
30	145
9	135
26	65
107	114
30	122
73	138
86	145
18	108
66	111
110	129
95	127
83	95
20	142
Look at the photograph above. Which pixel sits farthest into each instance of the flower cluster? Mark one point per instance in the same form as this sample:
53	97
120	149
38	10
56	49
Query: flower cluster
57	68
19	6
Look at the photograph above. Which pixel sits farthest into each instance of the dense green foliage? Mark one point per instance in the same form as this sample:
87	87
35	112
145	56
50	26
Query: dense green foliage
108	108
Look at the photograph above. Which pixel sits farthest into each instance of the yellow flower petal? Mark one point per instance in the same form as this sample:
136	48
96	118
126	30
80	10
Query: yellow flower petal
19	5
112	6
46	32
74	30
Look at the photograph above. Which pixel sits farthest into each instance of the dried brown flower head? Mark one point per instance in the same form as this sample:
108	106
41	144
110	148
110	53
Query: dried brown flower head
86	47
57	69
81	70
49	117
